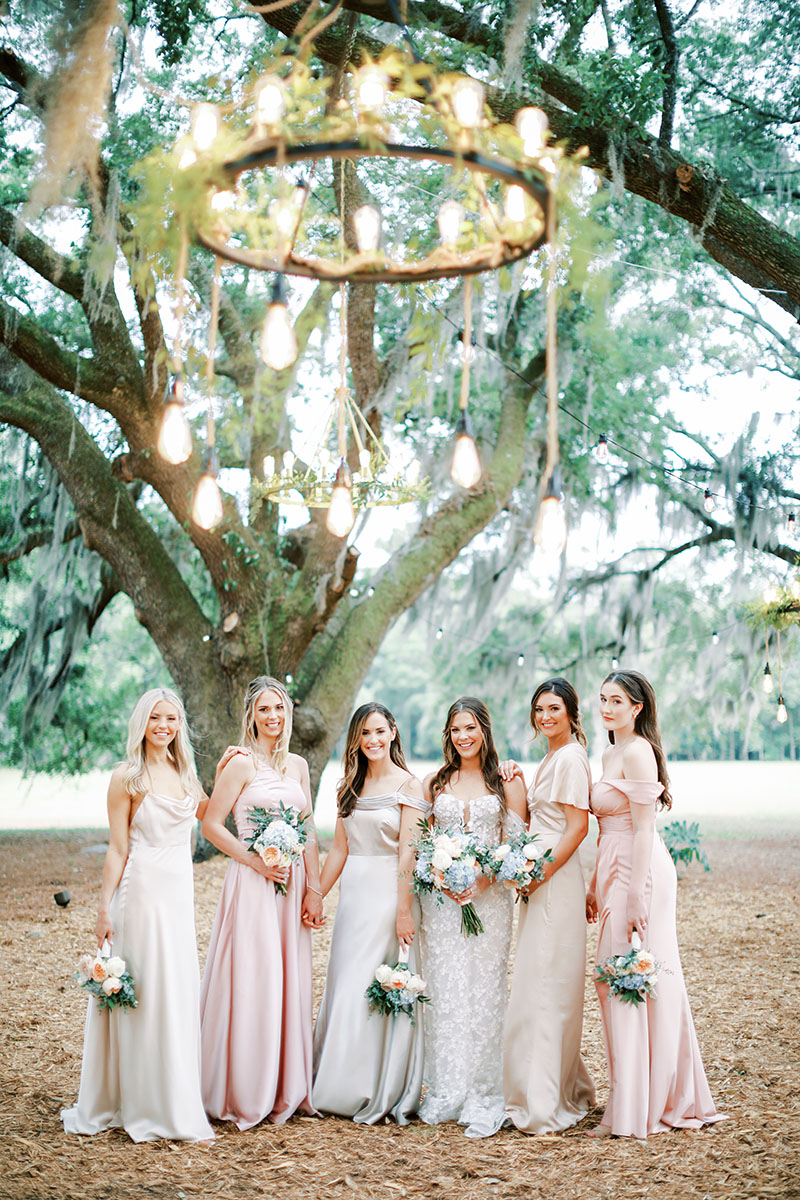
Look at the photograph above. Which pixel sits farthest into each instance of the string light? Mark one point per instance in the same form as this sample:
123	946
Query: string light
782	715
791	524
371	85
449	218
367	226
614	664
341	514
467	98
521	660
601	449
278	346
708	501
715	638
515	204
551	527
175	437
270	100
531	125
465	469
207	511
439	634
205	126
767	683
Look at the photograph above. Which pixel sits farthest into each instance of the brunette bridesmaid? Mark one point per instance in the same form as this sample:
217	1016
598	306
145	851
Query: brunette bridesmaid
256	995
547	1087
656	1075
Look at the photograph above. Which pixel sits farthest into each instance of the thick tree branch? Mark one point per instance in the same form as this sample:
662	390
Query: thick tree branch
52	362
62	272
670	71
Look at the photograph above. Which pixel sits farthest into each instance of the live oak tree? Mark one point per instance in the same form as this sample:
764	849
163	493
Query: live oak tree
699	158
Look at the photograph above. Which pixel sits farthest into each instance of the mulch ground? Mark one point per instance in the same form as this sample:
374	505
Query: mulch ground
738	926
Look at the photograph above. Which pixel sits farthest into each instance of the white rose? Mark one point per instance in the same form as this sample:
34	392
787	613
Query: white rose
530	851
399	978
85	966
116	966
111	985
470	860
383	974
416	984
441	860
500	853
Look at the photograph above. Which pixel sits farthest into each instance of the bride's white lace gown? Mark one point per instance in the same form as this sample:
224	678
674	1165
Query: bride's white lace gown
467	981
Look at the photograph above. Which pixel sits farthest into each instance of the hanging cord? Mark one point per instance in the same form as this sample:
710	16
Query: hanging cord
340	416
551	368
212	346
780	667
180	301
463	399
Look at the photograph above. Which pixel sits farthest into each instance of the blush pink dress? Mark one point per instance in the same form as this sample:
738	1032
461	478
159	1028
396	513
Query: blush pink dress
255	1004
656	1075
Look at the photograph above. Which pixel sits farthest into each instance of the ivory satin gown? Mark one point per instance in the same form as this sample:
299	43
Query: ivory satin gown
256	995
141	1066
367	1066
656	1075
546	1084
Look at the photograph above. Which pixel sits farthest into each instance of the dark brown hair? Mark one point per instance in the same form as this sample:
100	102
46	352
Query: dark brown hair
640	691
354	760
489	763
565	691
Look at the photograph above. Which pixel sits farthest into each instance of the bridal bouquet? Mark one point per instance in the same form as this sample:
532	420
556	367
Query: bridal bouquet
395	990
631	976
278	836
451	859
517	862
107	977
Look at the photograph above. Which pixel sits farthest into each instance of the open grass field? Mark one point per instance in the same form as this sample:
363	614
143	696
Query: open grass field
739	934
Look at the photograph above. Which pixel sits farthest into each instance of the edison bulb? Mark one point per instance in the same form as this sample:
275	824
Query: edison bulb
465	469
205	126
551	530
449	220
515	204
288	461
278	346
708	501
601	449
372	85
467	98
270	100
531	125
268	466
207	504
187	159
341	514
782	715
174	437
367	225
767	683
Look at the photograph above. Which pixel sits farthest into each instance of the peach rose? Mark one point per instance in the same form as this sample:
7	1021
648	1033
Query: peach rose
99	972
270	856
85	966
111	985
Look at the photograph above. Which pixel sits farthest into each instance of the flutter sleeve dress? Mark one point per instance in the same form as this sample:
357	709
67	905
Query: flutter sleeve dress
367	1066
256	994
546	1084
656	1076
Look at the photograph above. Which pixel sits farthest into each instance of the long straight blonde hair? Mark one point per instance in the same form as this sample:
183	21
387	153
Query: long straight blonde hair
249	734
135	778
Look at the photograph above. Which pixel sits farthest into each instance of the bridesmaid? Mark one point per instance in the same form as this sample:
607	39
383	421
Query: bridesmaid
367	1066
141	1066
655	1072
256	995
547	1087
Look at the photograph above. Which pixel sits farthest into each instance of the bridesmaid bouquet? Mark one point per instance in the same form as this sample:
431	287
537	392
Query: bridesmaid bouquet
107	977
278	836
517	863
451	859
395	990
631	976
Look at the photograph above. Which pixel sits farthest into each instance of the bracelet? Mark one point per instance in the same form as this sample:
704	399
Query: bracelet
314	890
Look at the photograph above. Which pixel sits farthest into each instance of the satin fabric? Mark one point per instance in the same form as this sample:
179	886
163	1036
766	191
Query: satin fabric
256	995
141	1066
367	1066
656	1075
545	1081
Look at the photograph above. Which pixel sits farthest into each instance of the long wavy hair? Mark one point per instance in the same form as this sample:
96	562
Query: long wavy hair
354	761
640	691
249	733
565	691
135	777
488	760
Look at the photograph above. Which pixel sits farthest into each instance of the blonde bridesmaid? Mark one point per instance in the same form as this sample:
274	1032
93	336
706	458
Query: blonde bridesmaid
547	1087
256	995
656	1075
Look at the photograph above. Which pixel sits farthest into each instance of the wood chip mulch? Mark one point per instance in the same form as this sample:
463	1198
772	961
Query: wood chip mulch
738	926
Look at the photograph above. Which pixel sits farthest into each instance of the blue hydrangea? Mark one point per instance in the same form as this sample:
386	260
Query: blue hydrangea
459	876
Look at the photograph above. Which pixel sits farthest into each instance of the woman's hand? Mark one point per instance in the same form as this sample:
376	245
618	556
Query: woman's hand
509	769
404	928
636	914
311	912
103	930
275	874
229	753
592	911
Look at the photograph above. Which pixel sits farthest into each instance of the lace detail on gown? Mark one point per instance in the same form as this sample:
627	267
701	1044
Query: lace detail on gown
467	982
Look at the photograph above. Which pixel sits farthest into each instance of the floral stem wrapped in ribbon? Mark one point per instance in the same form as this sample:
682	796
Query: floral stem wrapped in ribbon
518	863
630	977
106	976
396	989
278	836
451	860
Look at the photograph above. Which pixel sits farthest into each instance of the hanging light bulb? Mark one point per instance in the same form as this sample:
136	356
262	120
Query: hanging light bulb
601	449
288	462
207	509
300	193
364	462
449	219
551	527
770	594
283	215
465	469
531	125
269	467
768	683
367	225
791	524
187	159
205	126
372	84
521	660
414	471
615	664
223	200
796	589
341	515
175	437
515	204
467	98
782	715
439	634
278	341
708	501
715	638
270	100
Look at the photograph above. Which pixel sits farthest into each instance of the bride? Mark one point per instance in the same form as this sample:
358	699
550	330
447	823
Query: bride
467	976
